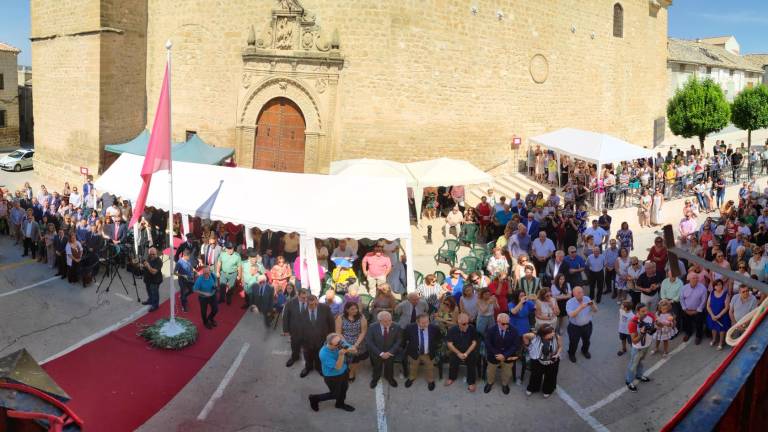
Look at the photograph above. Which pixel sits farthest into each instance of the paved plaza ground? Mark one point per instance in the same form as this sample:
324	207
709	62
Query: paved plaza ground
48	316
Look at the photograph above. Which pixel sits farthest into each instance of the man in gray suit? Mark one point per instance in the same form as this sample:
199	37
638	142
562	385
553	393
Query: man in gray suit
314	326
411	308
384	344
30	230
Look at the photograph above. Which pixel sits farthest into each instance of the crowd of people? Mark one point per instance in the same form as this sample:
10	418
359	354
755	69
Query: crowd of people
550	265
538	287
678	173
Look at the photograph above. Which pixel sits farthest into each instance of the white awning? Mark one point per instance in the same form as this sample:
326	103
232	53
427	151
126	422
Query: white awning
447	172
319	206
372	168
589	146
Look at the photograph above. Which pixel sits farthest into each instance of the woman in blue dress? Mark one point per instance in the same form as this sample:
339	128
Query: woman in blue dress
521	314
718	319
455	284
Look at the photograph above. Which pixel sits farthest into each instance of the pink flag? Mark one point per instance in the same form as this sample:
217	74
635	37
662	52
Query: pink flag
158	156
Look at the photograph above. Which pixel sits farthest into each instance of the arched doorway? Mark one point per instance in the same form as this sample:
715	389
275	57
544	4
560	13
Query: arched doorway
279	142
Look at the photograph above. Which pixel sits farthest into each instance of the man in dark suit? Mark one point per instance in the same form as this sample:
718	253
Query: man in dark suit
30	231
59	248
262	294
520	209
316	325
422	340
116	231
383	341
294	312
555	266
532	226
502	344
270	240
209	253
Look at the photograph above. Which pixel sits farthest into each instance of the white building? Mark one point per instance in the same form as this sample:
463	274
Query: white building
761	61
717	59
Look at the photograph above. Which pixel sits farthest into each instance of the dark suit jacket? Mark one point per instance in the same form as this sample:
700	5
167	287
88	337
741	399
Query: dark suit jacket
313	333
122	229
292	317
194	253
270	240
376	344
94	242
523	212
411	336
263	302
549	271
494	344
533	230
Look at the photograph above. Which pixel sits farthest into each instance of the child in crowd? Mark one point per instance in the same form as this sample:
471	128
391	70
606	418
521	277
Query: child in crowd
625	316
666	328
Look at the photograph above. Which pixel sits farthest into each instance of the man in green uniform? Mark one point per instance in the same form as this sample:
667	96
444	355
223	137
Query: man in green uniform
252	269
228	272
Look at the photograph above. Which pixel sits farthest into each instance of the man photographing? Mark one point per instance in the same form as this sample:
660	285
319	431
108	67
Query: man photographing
153	277
335	373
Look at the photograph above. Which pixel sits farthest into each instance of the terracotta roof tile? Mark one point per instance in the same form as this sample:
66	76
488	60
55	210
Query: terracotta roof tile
9	48
692	52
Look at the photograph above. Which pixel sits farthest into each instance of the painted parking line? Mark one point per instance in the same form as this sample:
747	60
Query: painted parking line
581	412
13	265
219	392
615	395
381	408
18	290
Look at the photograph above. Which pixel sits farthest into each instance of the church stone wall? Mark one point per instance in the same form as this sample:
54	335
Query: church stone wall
424	79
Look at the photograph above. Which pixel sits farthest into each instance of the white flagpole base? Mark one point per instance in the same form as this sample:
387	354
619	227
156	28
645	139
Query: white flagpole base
171	329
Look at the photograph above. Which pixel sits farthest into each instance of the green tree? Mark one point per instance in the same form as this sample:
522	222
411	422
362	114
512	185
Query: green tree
750	110
698	109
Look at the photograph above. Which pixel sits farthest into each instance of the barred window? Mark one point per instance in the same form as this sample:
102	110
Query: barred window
618	20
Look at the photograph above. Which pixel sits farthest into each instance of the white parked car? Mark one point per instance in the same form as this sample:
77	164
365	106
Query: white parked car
18	160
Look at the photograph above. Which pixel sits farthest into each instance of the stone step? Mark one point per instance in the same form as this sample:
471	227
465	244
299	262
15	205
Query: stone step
507	185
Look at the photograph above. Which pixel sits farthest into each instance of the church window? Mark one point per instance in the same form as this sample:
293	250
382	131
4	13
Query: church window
618	20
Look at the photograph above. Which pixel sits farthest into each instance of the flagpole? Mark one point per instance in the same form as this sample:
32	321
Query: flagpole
172	326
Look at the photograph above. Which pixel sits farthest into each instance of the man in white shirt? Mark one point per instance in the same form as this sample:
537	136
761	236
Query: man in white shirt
344	251
596	274
598	234
542	249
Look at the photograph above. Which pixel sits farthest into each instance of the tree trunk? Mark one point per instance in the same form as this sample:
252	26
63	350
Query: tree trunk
749	153
701	142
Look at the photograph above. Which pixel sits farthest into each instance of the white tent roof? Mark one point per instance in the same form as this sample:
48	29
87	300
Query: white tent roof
591	146
446	172
372	168
306	203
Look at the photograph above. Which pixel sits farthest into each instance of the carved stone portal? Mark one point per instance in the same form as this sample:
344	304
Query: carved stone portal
294	58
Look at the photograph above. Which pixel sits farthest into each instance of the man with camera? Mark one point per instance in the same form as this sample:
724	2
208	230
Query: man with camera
153	277
641	330
335	373
580	309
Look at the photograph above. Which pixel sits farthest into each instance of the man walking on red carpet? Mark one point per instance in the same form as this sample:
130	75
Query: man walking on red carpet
205	287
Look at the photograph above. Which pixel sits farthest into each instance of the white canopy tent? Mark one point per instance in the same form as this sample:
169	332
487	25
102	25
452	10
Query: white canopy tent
594	147
222	193
444	172
373	168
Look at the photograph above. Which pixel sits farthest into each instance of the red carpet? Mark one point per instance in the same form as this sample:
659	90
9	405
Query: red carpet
118	382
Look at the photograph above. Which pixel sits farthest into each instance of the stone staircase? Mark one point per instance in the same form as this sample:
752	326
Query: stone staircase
507	185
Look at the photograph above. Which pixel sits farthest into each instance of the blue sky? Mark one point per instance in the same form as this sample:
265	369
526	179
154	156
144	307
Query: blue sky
747	20
688	19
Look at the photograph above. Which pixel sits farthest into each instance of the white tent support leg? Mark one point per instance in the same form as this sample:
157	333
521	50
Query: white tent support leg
185	224
418	198
559	171
136	238
410	277
302	276
310	279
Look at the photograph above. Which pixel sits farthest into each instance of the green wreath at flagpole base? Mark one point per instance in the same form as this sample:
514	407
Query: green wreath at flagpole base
154	336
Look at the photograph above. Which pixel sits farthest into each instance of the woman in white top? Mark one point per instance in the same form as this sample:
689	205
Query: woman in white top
75	199
431	291
497	263
74	253
757	263
546	308
621	268
544	348
486	309
633	272
468	303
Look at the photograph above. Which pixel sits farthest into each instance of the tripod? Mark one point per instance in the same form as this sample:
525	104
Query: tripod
112	270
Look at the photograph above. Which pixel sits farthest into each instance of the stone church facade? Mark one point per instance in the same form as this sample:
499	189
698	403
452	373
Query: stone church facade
293	85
